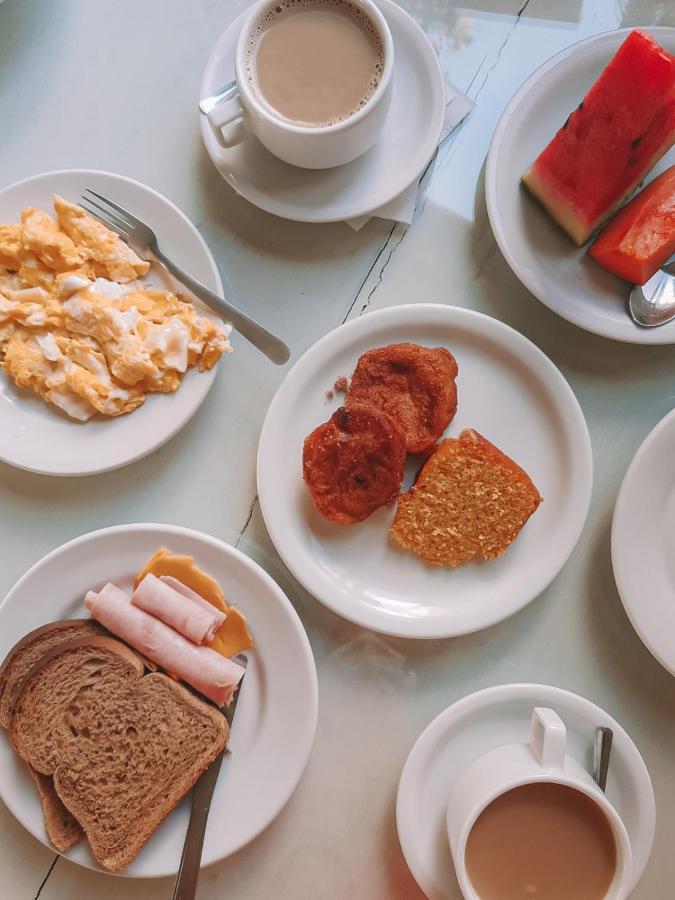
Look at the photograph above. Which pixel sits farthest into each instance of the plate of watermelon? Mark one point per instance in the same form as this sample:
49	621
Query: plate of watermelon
577	140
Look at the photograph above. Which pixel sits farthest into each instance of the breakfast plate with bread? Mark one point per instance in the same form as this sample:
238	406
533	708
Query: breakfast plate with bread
424	471
122	652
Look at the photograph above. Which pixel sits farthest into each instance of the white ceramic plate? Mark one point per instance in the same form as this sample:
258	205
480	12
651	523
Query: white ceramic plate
409	140
643	542
513	394
481	722
35	435
548	263
279	695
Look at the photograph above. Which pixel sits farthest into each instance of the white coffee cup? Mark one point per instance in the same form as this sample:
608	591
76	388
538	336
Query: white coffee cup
311	148
543	759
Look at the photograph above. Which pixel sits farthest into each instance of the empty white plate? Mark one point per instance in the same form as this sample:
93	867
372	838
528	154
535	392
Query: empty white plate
643	542
488	719
508	390
35	435
411	134
544	258
279	696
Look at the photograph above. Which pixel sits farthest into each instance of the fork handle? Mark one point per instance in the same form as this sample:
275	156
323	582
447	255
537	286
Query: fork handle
273	348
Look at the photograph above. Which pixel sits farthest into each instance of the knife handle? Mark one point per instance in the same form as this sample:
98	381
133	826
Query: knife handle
190	861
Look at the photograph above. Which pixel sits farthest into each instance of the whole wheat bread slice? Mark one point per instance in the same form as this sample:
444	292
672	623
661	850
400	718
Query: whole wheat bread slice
123	748
62	828
29	651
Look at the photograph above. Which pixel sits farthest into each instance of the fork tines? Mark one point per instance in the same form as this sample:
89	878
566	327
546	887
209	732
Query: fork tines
115	217
98	212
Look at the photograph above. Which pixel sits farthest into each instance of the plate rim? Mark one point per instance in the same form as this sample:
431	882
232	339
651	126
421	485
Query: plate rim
649	337
388	7
376	621
217	285
313	686
629	482
472	702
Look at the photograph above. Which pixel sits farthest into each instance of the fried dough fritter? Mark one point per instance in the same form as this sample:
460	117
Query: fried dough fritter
413	385
353	464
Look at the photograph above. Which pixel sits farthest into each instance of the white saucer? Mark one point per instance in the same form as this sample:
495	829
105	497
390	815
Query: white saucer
507	389
273	732
409	140
35	435
549	264
481	722
643	542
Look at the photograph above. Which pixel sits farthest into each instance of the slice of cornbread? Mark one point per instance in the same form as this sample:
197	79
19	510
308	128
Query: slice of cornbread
470	499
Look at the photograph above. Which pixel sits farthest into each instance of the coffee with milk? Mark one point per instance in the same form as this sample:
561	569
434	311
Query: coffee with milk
314	62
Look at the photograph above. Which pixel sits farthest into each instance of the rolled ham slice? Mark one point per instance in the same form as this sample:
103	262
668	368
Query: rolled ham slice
208	672
186	612
193	595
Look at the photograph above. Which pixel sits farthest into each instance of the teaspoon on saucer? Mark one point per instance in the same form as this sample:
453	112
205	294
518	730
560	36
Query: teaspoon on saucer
226	92
602	748
653	304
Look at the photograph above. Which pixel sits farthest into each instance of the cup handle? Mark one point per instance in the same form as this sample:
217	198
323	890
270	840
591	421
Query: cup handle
548	737
227	122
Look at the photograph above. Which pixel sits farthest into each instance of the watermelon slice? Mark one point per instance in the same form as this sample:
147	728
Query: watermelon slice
641	238
624	125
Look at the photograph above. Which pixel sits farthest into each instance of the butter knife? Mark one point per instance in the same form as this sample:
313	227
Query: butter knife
188	870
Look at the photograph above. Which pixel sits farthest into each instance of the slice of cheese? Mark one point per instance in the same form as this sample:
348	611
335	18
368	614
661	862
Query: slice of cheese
233	636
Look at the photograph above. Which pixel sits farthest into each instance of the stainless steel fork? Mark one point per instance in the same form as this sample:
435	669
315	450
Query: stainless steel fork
142	239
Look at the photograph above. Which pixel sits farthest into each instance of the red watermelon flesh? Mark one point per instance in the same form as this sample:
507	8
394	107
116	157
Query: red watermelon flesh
640	238
624	125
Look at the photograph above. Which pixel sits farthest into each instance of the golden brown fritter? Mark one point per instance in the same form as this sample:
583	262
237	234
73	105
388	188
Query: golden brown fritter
353	464
413	385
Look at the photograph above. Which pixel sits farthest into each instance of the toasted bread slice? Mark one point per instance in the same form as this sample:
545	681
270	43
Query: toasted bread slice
123	748
62	829
469	500
29	650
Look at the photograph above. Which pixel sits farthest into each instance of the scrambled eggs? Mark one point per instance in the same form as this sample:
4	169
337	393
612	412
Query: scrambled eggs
79	328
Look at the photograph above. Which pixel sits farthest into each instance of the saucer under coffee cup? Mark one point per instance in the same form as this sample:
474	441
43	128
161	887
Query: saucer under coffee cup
312	144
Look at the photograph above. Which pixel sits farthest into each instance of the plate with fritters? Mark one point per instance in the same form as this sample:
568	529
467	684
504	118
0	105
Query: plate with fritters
511	394
38	435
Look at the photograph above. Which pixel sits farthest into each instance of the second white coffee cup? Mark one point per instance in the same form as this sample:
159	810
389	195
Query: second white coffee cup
321	147
512	766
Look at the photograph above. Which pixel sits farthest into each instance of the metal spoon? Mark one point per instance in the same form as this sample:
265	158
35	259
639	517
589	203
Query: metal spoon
226	92
653	304
602	747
